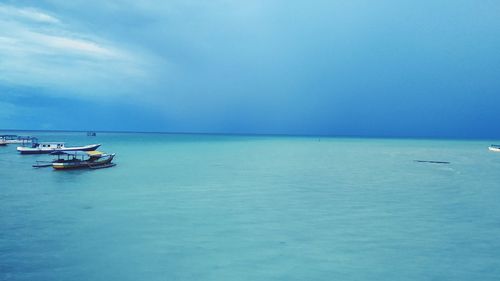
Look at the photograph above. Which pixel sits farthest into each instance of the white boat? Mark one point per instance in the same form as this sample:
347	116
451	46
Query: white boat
48	147
494	147
10	139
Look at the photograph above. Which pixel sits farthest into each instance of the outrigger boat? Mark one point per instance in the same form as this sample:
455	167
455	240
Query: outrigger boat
48	147
494	147
78	160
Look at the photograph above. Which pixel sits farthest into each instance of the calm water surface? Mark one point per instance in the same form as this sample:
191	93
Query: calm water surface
200	207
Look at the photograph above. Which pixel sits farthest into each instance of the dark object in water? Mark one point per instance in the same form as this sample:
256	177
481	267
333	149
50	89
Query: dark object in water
431	161
91	134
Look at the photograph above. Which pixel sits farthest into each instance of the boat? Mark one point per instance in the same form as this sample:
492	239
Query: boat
81	160
3	143
48	147
10	139
91	134
494	147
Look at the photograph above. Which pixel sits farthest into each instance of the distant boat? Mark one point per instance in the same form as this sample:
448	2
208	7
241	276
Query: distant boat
3	142
82	160
91	134
9	139
48	147
494	147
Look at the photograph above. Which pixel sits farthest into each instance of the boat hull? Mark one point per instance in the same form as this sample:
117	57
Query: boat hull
17	141
38	150
494	149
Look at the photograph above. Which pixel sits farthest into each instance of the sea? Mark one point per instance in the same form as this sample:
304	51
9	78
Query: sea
222	207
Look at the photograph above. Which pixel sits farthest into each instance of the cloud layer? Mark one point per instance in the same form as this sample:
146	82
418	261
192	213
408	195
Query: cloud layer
329	67
39	49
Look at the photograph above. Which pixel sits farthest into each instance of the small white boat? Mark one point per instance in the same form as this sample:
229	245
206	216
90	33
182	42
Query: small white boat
48	147
15	139
494	147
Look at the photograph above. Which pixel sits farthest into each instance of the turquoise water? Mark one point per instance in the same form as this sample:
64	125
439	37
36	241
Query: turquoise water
200	207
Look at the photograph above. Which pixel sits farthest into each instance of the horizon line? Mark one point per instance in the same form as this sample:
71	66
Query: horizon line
250	134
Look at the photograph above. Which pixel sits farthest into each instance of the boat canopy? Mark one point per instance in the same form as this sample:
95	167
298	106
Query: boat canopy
71	152
78	153
94	153
51	142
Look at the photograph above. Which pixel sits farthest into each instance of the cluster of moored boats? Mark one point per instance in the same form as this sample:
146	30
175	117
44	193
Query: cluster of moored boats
65	157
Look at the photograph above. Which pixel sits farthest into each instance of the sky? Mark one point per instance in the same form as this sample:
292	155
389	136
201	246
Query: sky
342	68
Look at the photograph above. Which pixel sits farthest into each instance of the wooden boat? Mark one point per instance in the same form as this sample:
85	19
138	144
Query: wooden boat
48	147
82	160
494	148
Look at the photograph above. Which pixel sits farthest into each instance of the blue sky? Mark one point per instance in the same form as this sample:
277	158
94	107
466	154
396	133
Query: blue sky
350	68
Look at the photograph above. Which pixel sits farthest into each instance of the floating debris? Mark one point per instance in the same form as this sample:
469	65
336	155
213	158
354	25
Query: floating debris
432	161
